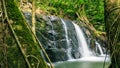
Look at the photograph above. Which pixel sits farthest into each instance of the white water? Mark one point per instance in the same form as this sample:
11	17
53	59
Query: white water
99	48
67	39
83	46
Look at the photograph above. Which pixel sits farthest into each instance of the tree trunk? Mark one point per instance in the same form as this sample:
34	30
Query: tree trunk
33	16
19	50
112	23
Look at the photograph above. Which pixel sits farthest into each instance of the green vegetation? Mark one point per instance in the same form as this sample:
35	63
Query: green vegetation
94	9
95	13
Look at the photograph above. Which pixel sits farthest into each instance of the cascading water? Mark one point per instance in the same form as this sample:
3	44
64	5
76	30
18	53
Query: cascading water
98	47
83	46
67	40
88	60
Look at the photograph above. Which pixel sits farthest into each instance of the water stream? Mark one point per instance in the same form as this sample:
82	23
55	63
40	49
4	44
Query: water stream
83	46
98	47
67	40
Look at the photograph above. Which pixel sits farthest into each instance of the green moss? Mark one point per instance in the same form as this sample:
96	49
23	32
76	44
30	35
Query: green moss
25	38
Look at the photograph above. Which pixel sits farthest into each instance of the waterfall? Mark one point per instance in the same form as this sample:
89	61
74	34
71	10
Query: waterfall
67	40
98	47
83	46
64	40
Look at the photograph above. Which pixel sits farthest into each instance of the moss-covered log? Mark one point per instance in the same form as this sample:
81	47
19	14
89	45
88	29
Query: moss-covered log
20	48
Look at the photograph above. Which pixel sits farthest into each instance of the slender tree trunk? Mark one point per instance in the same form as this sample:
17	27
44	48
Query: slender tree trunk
112	23
33	16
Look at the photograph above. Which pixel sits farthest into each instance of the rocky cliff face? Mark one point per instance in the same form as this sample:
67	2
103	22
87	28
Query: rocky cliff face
51	33
56	43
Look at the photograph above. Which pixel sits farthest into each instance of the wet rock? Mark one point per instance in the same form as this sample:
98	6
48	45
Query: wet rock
52	18
76	54
52	32
57	54
61	44
28	17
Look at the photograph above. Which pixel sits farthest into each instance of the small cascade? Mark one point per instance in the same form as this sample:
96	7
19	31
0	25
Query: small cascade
99	48
83	46
67	40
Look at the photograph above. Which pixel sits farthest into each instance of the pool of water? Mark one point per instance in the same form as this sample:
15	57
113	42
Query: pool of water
91	62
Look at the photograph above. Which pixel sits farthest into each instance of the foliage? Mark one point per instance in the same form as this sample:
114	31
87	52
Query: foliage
94	9
95	13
